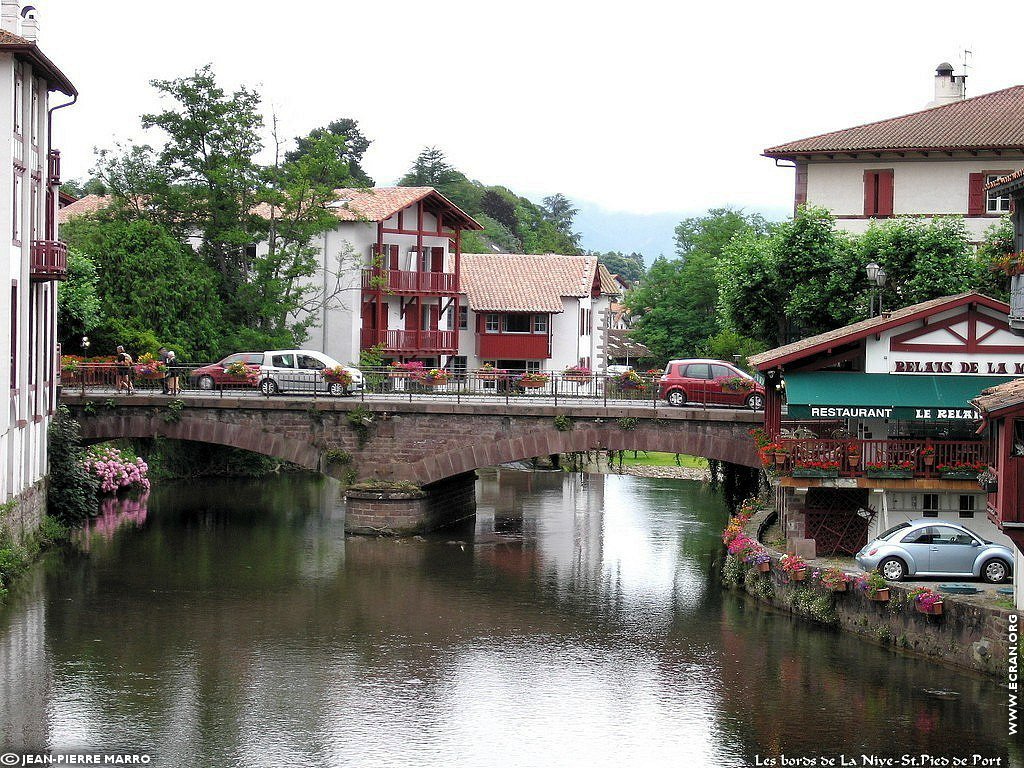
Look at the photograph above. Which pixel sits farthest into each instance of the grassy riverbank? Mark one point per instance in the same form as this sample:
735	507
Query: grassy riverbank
654	459
16	556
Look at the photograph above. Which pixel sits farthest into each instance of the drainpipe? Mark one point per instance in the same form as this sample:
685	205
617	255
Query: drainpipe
323	304
51	215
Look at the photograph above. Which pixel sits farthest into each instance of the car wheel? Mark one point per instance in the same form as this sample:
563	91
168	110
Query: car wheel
756	402
676	398
206	382
269	387
335	389
893	569
995	571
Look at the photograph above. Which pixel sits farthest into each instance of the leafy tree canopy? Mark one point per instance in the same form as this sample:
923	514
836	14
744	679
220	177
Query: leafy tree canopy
629	266
350	151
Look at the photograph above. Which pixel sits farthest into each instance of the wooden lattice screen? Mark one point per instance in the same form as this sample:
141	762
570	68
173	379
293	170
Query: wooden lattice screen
837	519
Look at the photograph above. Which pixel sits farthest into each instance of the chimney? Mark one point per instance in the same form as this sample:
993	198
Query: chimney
29	23
948	87
9	10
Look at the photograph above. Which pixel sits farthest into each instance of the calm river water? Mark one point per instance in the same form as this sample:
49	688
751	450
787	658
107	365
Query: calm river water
578	622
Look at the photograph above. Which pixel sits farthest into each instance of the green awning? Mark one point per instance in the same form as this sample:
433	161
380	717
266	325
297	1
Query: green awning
837	395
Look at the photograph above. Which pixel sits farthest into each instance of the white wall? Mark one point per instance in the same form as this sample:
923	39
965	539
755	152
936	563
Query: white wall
933	186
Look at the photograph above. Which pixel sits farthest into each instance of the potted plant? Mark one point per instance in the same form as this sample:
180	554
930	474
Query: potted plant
736	383
337	375
629	380
435	377
892	469
148	367
400	370
853	454
927	601
794	566
961	470
577	373
781	452
875	585
534	380
833	579
988	481
816	468
488	372
759	558
928	455
248	373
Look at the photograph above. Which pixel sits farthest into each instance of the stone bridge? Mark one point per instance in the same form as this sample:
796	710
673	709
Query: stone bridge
421	442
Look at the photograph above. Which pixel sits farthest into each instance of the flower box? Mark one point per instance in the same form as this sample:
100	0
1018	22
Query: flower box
434	381
890	473
764	567
808	472
577	378
838	587
955	475
935	609
798	575
879	596
399	374
532	384
149	372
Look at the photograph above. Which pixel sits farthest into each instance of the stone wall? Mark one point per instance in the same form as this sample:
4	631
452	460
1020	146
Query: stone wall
25	511
966	635
402	511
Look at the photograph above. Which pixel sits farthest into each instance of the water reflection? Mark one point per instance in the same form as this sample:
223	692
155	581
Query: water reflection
576	623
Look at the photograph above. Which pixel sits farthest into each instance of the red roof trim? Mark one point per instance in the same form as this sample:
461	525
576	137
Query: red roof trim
972	298
55	79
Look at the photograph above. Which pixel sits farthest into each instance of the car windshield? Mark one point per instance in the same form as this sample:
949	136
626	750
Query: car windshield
893	530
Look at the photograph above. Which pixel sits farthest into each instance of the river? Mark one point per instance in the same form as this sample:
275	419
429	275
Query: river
577	622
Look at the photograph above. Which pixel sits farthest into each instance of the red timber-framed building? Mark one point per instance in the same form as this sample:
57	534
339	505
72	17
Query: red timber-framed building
36	261
407	242
878	426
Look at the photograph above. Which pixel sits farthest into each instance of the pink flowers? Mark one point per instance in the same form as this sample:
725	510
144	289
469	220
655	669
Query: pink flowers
115	471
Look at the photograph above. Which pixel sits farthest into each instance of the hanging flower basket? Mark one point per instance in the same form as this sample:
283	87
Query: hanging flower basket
405	370
764	567
435	377
150	368
337	375
879	595
490	373
532	380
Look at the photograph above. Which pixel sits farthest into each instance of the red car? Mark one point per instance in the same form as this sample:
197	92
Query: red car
216	375
710	382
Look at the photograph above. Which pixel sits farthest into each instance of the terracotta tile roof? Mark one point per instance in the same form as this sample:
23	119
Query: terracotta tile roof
609	285
9	38
87	204
999	397
513	282
991	121
856	331
381	203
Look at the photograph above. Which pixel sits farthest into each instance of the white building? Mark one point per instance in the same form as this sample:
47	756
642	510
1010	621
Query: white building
29	183
929	163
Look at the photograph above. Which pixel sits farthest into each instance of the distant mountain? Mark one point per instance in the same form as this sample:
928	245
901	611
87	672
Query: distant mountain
652	234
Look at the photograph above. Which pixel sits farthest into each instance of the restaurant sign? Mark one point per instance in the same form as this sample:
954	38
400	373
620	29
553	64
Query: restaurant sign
962	367
903	413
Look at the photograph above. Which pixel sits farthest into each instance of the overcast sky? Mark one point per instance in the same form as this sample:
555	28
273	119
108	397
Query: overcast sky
639	107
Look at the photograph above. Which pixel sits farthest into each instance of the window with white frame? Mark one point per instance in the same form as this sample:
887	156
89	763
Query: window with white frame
17	98
967	501
517	323
533	366
463	318
540	323
996	203
16	210
34	118
492	324
930	505
458	364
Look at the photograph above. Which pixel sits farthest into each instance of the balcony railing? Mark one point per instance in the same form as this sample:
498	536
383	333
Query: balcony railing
409	341
402	281
855	456
53	174
513	346
48	260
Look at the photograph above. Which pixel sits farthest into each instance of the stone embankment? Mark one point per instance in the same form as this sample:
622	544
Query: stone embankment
966	634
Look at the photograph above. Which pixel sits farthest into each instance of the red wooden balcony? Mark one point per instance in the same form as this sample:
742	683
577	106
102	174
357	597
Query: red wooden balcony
402	281
48	260
854	456
513	346
53	173
408	342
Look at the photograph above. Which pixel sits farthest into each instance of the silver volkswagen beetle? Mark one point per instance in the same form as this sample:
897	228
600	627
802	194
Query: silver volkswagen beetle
932	547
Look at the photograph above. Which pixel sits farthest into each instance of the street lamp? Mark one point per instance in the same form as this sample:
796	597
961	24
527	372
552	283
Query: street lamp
85	346
876	276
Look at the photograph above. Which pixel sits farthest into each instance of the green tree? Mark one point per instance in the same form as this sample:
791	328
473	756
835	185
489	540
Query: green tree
630	267
92	186
71	496
350	151
997	243
710	233
78	301
430	169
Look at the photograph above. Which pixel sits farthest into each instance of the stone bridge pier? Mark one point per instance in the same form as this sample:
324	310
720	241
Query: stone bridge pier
410	465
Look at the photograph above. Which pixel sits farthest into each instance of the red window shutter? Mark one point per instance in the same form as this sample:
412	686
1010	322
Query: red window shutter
437	259
885	190
393	253
412	317
435	318
976	195
870	193
369	316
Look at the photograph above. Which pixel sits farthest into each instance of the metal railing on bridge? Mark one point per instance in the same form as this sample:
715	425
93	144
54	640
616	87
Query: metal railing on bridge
378	384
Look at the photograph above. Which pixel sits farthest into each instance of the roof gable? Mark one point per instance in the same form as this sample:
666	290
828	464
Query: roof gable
381	203
813	345
991	121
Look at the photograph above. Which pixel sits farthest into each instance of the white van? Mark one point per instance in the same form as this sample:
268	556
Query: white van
302	370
